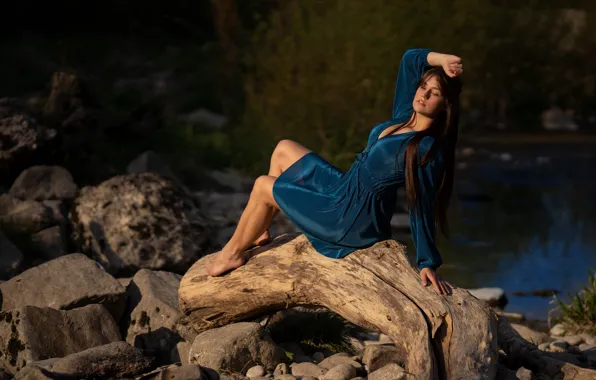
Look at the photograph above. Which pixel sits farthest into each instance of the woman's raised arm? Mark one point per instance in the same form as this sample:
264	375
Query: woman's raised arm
413	64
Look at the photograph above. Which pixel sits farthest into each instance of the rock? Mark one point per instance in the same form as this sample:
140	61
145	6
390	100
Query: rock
124	281
524	374
559	346
153	309
48	243
391	371
337	359
573	340
281	369
24	217
11	259
139	221
343	371
151	162
558	330
232	180
544	346
586	347
185	330
180	353
235	347
530	335
555	118
590	339
384	339
22	138
285	377
318	356
44	182
206	118
302	359
65	283
495	297
114	360
32	372
4	375
307	369
377	356
25	336
256	371
179	372
357	344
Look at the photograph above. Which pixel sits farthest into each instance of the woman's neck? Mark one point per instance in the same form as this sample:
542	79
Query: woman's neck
420	122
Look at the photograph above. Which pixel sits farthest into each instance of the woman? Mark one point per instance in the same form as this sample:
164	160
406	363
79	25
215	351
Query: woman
342	212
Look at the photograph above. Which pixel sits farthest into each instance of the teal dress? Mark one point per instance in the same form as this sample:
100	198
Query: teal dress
342	212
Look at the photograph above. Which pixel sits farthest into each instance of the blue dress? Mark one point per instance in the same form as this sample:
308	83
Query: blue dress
342	212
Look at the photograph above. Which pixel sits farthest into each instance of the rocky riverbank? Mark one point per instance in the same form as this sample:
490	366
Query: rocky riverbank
89	275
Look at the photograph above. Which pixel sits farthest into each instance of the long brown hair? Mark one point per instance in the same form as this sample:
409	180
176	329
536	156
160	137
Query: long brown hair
444	129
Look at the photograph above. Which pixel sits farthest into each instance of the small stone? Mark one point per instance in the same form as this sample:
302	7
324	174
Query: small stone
318	356
530	335
573	340
558	330
590	339
343	371
391	371
524	374
281	369
559	346
337	359
587	346
256	371
307	369
544	346
284	377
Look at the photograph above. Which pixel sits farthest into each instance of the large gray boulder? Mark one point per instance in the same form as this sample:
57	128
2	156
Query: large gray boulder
44	182
31	333
153	310
11	259
67	282
136	221
235	347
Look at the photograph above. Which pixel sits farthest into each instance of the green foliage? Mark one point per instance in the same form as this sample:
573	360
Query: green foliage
315	331
580	313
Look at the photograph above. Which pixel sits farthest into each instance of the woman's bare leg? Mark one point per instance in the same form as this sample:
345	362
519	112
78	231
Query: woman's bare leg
284	155
254	221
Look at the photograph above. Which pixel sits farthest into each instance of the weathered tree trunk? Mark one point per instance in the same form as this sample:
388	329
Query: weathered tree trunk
440	337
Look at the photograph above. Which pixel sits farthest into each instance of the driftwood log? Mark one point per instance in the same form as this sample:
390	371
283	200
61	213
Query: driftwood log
440	337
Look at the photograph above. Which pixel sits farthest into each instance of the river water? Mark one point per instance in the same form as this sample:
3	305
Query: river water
523	218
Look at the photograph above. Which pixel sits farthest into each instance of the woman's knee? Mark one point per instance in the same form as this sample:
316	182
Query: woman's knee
281	148
263	188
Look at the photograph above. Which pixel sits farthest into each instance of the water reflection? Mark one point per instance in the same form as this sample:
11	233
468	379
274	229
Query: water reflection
523	223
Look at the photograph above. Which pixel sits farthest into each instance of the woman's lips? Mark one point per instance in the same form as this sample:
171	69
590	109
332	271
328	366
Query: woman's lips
421	103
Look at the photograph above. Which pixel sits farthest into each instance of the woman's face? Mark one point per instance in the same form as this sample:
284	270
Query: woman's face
429	100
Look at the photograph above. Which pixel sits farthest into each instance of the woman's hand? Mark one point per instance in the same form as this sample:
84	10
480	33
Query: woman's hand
452	64
442	287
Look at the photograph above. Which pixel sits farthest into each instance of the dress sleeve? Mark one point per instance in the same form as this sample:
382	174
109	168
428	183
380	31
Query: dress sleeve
413	64
422	221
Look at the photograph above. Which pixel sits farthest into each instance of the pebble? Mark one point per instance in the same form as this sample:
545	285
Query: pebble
559	346
590	339
544	346
307	369
343	371
281	369
284	377
256	371
587	346
573	340
558	330
318	356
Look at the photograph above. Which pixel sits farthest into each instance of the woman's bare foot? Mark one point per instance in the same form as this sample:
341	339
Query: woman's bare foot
223	262
263	239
